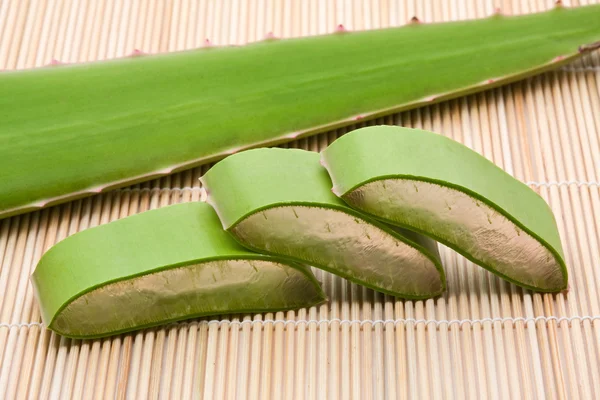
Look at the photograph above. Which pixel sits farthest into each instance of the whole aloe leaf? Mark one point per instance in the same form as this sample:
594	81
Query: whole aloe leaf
75	130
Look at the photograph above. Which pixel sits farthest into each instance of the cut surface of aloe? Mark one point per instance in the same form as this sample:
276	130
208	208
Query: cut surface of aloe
159	266
279	201
431	184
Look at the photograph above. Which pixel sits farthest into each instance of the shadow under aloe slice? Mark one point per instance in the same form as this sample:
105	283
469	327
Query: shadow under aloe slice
159	266
431	184
279	201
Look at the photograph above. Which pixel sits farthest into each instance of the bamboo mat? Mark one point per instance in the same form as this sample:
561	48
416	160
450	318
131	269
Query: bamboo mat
484	338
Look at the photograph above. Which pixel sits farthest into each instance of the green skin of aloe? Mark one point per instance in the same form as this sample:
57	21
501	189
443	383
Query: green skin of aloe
75	130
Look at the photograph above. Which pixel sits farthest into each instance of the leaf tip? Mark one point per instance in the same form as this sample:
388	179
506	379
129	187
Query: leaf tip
341	29
137	53
165	171
54	63
292	135
270	36
40	204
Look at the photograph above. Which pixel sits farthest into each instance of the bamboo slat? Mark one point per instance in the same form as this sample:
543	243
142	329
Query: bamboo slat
482	339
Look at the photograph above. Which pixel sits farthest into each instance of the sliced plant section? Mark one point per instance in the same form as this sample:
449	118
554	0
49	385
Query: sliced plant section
159	266
279	201
431	184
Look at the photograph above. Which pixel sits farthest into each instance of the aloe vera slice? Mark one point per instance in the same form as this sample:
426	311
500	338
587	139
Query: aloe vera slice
431	184
76	130
159	266
279	201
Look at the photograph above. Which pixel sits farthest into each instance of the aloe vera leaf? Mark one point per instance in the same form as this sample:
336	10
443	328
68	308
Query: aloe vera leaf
433	185
279	201
75	130
159	266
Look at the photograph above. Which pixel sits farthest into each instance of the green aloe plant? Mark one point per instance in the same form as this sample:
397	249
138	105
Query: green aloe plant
74	130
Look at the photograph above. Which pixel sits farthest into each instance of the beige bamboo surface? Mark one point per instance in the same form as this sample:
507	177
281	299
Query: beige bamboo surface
484	338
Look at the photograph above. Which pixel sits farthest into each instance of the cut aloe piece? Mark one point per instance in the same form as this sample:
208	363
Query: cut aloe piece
159	266
431	184
279	201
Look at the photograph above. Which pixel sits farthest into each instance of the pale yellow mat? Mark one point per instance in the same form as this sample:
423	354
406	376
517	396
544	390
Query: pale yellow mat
484	338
